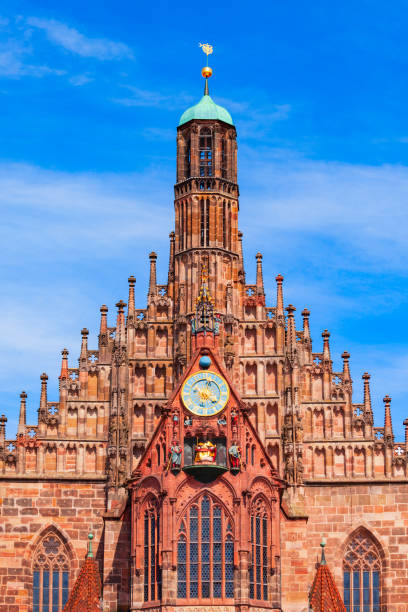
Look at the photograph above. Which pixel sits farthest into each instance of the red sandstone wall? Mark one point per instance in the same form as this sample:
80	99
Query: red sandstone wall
335	512
26	510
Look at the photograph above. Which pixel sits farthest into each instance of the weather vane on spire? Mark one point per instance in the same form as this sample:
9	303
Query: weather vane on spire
206	71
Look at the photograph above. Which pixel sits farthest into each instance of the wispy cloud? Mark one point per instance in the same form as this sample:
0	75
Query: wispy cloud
80	79
152	98
362	207
72	40
13	62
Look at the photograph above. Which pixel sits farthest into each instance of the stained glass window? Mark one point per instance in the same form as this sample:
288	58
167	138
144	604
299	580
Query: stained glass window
361	574
258	570
205	553
152	570
50	575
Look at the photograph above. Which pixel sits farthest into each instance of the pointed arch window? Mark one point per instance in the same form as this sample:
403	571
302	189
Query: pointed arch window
362	574
202	222
152	570
207	222
206	152
224	225
187	159
50	575
205	553
258	571
224	158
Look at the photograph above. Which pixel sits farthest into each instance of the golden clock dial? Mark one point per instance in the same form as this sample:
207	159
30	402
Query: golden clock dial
205	393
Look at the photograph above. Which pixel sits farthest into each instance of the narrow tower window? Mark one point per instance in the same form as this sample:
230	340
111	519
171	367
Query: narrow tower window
187	160
224	226
224	158
229	227
182	225
207	223
205	152
202	226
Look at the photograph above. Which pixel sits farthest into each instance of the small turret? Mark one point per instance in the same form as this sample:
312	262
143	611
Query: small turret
152	279
131	301
388	433
279	296
291	334
306	328
43	397
367	398
120	321
241	256
326	346
259	275
170	276
83	358
346	366
64	364
22	418
103	334
3	421
42	411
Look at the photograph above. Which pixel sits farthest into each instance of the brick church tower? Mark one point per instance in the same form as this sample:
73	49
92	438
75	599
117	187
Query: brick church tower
204	443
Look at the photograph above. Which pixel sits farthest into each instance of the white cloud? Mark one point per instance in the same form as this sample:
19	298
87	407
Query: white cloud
13	64
72	40
362	208
80	79
151	98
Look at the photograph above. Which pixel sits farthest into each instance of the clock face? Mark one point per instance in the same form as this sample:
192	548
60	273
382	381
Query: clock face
205	393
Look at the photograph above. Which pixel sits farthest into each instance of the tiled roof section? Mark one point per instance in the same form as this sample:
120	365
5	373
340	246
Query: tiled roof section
85	595
324	595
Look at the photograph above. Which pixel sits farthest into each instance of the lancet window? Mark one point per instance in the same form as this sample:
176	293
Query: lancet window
258	571
187	159
206	152
223	158
205	553
362	574
224	225
50	575
205	222
152	570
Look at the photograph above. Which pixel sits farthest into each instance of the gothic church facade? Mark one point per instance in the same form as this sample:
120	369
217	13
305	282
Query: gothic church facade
205	442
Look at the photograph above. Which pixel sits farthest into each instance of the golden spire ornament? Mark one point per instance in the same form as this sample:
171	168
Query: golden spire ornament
206	71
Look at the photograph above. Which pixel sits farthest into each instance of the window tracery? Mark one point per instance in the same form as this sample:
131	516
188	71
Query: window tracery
362	574
258	571
205	552
50	575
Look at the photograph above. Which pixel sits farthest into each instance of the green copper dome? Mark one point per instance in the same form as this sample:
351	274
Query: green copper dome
206	109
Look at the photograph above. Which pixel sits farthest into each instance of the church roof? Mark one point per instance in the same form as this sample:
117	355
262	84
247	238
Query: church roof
324	595
85	594
206	109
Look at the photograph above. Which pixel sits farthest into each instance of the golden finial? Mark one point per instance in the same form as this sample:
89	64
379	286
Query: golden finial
207	49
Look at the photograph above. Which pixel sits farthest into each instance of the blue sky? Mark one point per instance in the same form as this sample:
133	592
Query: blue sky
91	94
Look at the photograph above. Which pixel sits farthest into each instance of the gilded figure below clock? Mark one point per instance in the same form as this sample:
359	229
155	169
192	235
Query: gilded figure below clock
205	393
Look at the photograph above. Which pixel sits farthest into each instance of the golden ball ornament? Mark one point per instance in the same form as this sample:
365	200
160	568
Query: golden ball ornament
206	72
